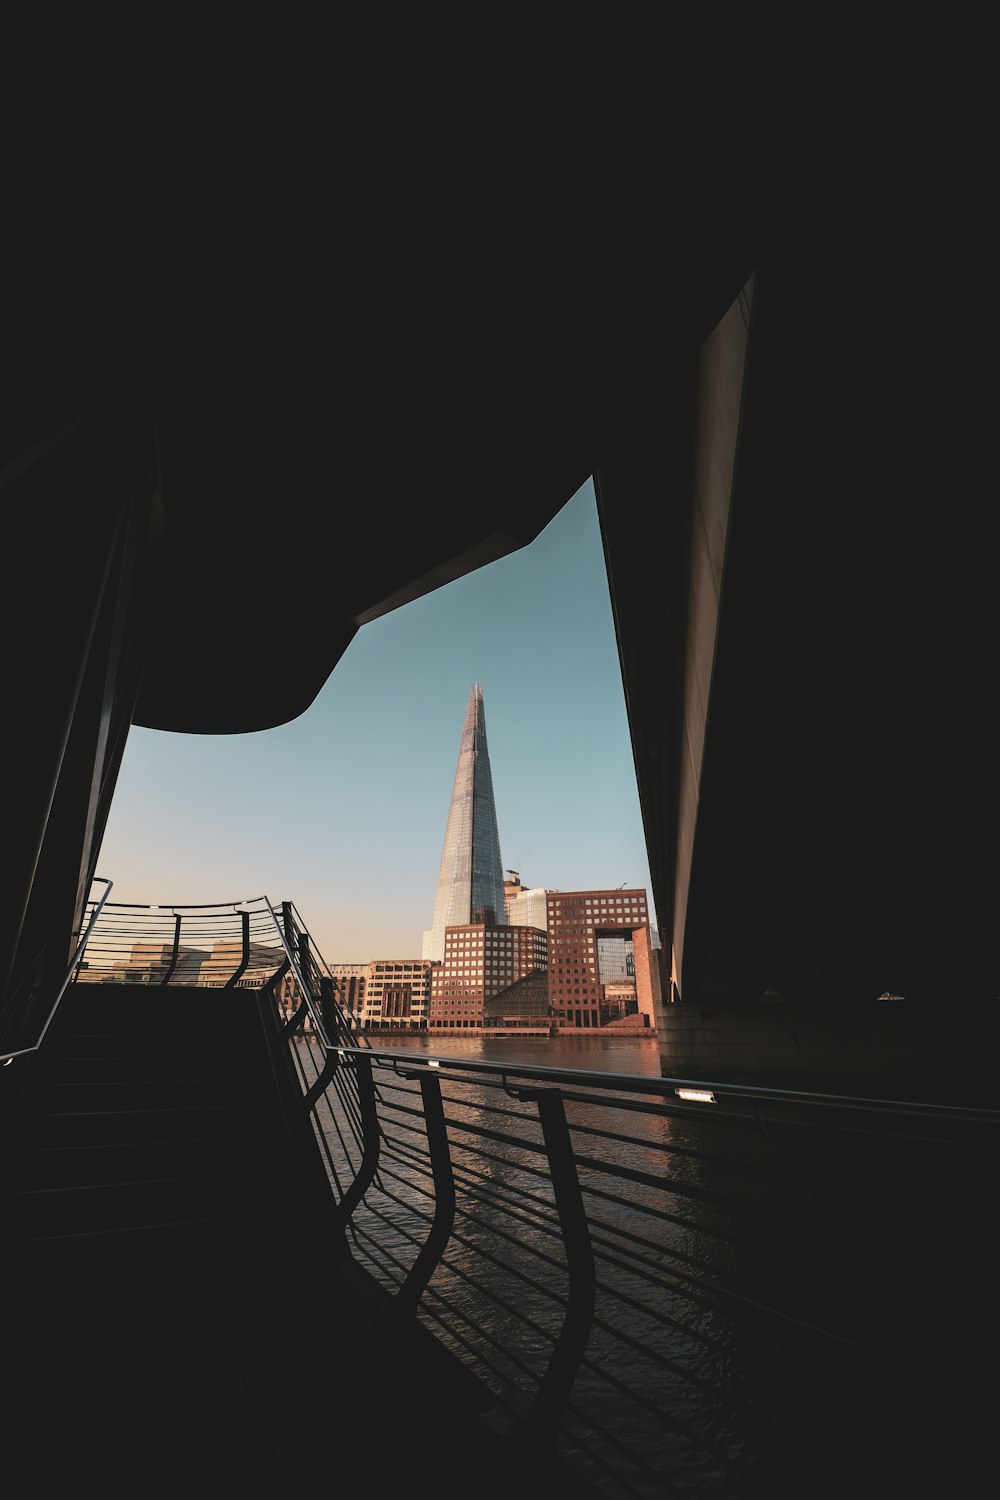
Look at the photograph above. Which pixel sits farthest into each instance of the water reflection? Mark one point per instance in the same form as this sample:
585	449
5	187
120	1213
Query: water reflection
639	1056
725	1339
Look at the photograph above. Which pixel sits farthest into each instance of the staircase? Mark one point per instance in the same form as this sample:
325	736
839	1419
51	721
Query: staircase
159	1190
177	1317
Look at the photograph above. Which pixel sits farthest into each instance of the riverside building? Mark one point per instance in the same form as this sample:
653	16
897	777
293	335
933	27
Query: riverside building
600	947
397	994
482	962
350	980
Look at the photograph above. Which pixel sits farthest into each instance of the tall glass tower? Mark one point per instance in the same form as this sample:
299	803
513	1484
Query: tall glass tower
470	880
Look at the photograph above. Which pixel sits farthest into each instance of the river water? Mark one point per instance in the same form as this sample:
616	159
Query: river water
805	1416
639	1056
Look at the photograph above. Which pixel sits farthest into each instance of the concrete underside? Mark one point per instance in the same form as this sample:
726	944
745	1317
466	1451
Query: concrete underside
886	1049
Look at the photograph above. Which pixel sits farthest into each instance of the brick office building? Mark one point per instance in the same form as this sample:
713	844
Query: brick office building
599	942
480	961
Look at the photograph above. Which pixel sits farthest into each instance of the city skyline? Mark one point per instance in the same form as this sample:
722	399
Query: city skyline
343	810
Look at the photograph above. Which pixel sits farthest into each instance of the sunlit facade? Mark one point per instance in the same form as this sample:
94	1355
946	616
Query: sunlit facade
600	968
481	962
529	908
397	994
470	884
350	980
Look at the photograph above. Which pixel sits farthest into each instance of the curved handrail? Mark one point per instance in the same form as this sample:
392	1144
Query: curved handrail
317	1019
567	1236
669	1087
140	926
330	1046
8	1057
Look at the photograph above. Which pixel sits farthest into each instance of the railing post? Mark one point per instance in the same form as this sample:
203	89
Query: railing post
571	1344
332	1060
370	1143
444	1198
303	956
245	957
177	948
329	1009
288	924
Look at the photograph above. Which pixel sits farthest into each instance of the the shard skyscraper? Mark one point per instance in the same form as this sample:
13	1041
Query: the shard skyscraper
470	880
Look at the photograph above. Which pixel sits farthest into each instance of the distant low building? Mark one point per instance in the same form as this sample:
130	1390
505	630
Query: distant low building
226	961
149	963
396	994
350	981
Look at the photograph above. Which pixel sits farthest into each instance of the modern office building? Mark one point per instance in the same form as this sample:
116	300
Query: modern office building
599	939
511	887
397	994
470	884
254	965
148	963
520	1010
350	980
528	907
481	961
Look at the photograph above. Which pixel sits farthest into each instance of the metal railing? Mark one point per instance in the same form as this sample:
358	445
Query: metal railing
620	1264
18	1017
243	944
249	944
639	1270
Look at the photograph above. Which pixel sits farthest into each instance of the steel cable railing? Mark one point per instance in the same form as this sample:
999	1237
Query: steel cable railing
324	1026
617	1265
18	1019
705	1227
233	945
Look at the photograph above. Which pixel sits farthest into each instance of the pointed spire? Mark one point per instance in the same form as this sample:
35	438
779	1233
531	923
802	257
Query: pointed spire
470	878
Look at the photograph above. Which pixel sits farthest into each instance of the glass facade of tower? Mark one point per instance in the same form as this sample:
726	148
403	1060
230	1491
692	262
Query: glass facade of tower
470	878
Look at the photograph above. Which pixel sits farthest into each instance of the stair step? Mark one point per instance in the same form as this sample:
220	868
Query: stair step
135	1068
55	1166
156	1093
95	997
157	1009
162	1026
185	1013
93	993
150	1144
76	1127
139	1041
99	1208
146	1254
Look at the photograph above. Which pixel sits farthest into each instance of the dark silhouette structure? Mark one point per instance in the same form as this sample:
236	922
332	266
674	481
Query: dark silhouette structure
770	389
796	556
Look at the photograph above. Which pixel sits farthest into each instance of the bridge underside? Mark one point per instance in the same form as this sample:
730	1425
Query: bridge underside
798	560
808	634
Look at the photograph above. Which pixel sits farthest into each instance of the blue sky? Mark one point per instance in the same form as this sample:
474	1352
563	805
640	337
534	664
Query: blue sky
343	810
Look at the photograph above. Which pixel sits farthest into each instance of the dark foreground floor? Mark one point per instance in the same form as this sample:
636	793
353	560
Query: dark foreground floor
247	1389
243	1387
